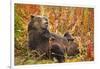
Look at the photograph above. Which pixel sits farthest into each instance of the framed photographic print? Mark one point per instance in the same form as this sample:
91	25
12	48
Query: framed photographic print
51	34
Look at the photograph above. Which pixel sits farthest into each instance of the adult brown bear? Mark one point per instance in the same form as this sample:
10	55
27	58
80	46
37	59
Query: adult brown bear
39	39
38	34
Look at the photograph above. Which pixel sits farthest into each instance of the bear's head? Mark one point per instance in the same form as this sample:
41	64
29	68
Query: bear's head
38	23
68	36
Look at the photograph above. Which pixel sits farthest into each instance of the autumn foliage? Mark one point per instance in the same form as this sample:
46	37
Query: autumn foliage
78	21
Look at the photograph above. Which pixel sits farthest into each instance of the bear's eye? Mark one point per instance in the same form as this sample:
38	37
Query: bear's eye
46	19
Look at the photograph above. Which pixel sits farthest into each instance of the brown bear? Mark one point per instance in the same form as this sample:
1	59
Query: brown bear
57	47
38	34
72	49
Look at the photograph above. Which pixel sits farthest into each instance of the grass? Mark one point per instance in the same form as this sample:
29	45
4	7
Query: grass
20	60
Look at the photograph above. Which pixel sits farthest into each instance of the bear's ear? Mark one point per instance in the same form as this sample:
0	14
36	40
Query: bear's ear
32	16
